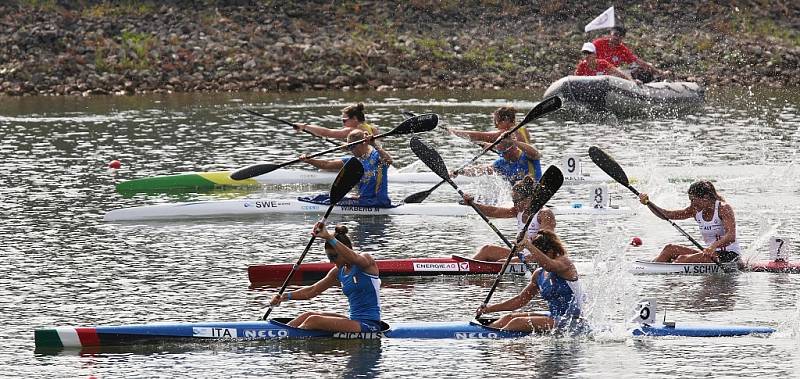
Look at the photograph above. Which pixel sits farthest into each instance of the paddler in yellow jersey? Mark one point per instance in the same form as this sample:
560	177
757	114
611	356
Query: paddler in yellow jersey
504	119
353	118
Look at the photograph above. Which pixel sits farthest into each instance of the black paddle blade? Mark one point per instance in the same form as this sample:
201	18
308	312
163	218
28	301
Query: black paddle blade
430	157
551	181
417	197
546	106
347	178
254	170
608	165
416	124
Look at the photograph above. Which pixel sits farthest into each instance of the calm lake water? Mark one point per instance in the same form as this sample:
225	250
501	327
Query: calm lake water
63	266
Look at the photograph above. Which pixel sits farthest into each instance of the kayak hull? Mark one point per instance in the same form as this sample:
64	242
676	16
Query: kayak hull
647	267
700	330
221	179
141	334
70	337
267	206
774	266
455	265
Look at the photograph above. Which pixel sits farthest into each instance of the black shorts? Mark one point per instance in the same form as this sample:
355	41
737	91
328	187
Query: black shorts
727	256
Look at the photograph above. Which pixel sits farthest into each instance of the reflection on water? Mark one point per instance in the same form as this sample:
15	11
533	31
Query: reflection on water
62	265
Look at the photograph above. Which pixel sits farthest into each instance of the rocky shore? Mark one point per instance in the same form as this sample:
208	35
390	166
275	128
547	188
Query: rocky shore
52	47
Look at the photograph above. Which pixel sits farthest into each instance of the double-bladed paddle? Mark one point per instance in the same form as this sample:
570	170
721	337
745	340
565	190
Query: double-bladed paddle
550	183
418	124
434	161
347	178
546	106
614	170
254	113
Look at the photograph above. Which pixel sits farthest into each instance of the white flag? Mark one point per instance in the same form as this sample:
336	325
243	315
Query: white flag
603	21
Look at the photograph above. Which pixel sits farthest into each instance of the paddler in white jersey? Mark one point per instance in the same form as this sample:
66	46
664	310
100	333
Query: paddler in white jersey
520	194
717	225
353	118
356	273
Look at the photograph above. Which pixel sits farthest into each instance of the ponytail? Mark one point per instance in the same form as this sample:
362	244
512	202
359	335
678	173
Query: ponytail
340	234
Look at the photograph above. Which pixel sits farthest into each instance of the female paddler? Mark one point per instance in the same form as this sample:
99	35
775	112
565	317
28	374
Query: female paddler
556	280
521	196
357	273
373	190
717	225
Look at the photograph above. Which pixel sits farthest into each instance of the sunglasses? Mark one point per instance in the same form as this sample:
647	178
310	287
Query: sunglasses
344	120
503	151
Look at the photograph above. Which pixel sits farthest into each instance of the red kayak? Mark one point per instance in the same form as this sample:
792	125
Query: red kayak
455	265
774	266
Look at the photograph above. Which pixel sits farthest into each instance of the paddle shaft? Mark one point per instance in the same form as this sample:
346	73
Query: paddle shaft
340	147
660	214
299	260
254	113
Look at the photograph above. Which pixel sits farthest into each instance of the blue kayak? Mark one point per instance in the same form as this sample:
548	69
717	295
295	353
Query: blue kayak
72	337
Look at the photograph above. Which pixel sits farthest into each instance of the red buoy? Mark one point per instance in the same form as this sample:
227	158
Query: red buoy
636	241
115	164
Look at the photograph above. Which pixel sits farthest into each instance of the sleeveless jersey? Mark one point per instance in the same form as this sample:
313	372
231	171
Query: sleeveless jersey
369	128
373	189
363	293
516	170
563	297
533	228
713	230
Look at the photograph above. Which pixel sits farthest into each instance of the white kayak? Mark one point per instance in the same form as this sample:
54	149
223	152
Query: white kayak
267	206
648	267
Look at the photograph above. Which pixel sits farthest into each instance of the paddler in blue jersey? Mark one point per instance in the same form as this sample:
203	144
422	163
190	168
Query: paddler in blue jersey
556	281
358	276
521	196
516	160
353	118
373	191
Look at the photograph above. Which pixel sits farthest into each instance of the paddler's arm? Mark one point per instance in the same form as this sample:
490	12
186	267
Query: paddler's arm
325	164
473	171
490	210
515	302
561	266
325	132
365	261
309	292
385	156
529	150
489	136
670	215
